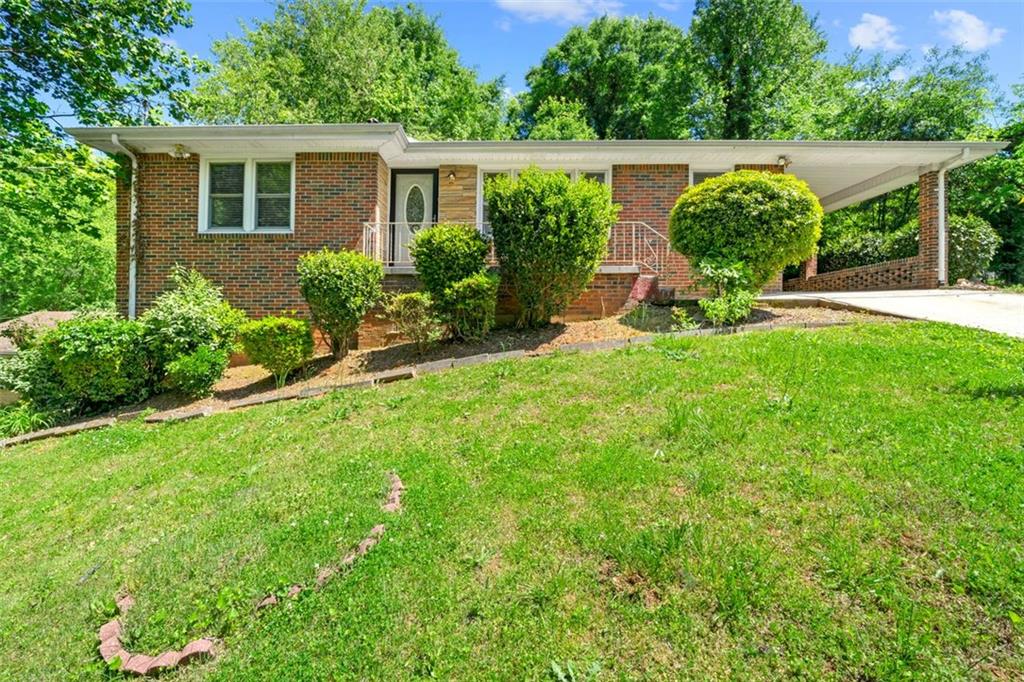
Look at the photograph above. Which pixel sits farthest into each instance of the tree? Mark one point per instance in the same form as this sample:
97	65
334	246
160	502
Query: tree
746	55
105	58
617	68
332	61
560	119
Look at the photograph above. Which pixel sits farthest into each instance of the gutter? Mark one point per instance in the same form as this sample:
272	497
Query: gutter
133	215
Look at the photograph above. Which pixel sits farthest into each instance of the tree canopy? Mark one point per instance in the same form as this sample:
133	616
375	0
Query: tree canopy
560	119
334	61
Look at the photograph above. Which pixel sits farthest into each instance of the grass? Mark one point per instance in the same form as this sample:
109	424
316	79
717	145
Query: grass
844	503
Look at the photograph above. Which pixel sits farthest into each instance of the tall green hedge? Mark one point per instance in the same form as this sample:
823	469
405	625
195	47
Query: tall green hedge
550	236
765	220
340	288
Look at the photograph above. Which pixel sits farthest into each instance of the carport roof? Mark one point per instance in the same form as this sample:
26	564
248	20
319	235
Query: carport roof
839	172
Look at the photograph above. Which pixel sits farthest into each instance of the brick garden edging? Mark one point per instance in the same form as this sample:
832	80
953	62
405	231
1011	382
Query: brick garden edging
411	372
204	648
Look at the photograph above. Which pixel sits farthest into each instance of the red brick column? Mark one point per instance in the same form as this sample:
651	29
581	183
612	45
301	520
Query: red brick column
928	209
809	268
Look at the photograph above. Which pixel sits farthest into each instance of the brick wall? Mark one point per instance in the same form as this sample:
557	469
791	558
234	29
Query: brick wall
456	199
917	272
335	193
647	193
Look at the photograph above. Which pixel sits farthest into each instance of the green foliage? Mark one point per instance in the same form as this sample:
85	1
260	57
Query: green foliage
21	418
447	253
550	235
340	288
972	244
561	119
728	308
328	61
738	82
413	313
278	344
619	69
190	316
765	220
100	360
469	305
107	59
195	374
682	320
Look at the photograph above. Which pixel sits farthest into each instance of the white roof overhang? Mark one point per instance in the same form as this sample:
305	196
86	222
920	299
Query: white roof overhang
839	173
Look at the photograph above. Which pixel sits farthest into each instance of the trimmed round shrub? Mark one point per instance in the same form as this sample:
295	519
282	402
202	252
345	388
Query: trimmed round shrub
278	344
766	220
413	314
192	315
550	235
196	373
469	305
100	360
340	288
447	253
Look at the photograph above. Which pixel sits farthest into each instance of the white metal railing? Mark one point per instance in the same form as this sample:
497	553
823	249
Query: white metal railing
630	244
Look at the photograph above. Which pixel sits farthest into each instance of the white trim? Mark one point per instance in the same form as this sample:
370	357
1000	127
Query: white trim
573	171
248	195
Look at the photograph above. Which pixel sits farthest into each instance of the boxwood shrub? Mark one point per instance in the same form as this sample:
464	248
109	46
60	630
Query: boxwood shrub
196	373
469	306
340	288
550	236
278	344
766	220
447	253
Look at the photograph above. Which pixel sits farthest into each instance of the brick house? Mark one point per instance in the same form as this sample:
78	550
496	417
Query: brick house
241	203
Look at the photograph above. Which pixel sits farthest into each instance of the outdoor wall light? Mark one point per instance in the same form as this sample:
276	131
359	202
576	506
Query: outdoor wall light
451	177
180	152
784	161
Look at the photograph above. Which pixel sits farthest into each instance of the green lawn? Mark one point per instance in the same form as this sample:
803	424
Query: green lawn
845	503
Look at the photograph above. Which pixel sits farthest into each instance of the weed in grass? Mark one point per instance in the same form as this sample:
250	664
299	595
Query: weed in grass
568	672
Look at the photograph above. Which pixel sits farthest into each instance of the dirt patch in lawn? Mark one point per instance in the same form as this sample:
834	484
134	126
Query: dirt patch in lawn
250	380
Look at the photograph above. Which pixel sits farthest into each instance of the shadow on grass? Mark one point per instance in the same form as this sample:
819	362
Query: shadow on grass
992	392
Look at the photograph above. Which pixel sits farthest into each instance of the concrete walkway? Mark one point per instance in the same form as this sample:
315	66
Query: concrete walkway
991	310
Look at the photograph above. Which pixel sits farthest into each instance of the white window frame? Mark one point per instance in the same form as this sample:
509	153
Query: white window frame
574	174
719	170
248	197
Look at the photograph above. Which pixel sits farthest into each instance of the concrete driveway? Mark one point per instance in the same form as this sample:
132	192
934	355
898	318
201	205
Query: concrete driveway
991	310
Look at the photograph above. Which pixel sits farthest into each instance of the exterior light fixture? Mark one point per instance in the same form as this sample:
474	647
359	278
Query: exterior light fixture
180	152
784	162
451	177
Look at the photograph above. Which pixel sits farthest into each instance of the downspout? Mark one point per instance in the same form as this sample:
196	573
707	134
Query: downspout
943	237
133	214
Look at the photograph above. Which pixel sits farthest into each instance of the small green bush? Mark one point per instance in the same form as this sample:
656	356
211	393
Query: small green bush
447	253
413	314
31	374
550	236
766	220
278	344
469	306
196	373
100	360
193	314
682	320
340	288
729	308
21	418
733	292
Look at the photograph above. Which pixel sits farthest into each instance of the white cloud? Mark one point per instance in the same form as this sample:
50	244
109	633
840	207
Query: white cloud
669	6
504	24
899	74
562	11
875	32
963	28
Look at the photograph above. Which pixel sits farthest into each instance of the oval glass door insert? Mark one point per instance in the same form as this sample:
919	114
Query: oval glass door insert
415	206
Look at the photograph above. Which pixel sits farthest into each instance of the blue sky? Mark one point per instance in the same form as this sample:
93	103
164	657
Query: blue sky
507	37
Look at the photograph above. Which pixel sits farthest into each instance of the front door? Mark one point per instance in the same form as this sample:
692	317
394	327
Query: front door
413	207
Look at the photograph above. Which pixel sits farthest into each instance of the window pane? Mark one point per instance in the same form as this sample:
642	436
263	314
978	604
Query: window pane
273	178
273	212
226	212
699	177
227	178
595	175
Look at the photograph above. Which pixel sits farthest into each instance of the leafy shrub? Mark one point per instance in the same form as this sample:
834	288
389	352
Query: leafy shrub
340	288
278	344
682	320
22	418
31	374
192	315
469	306
550	235
447	253
728	308
766	220
196	373
99	358
413	314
